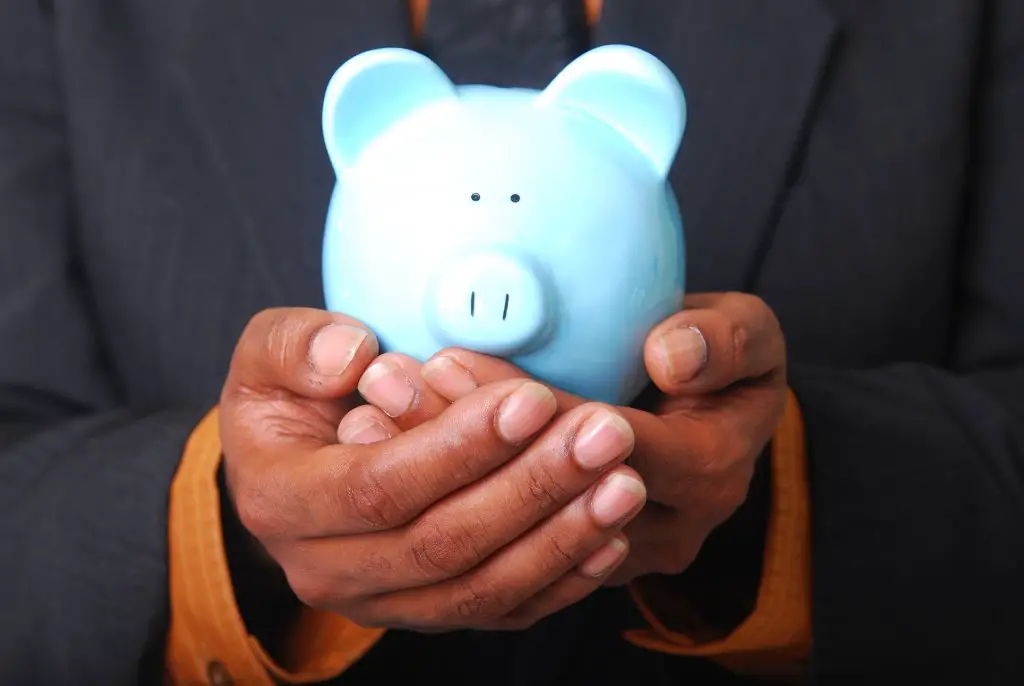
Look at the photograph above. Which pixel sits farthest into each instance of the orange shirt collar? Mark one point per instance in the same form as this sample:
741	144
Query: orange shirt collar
418	10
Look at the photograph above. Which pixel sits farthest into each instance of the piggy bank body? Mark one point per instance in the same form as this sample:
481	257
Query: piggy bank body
533	225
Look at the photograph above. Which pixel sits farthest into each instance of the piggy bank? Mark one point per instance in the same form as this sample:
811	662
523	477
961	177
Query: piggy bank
532	225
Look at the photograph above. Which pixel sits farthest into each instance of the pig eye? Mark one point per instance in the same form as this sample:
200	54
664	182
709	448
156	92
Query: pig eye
515	197
475	197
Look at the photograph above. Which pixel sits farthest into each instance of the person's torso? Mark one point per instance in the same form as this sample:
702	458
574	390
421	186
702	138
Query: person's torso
824	165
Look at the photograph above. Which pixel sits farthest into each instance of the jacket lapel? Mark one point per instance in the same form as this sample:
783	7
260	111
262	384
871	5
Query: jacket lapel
752	70
254	78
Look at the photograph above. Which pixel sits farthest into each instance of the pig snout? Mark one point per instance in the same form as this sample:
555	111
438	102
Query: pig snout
491	302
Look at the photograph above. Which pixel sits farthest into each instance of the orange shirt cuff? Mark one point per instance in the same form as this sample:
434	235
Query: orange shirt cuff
208	641
776	638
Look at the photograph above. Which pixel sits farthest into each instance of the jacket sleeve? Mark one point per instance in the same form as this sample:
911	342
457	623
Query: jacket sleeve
917	471
216	614
83	481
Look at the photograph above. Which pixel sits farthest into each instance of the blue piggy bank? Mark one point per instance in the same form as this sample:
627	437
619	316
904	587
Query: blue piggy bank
533	225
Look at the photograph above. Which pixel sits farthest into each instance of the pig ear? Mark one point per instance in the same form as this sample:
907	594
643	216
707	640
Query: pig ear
631	91
371	92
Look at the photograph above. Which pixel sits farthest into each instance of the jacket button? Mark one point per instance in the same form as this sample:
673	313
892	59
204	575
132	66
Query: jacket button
217	674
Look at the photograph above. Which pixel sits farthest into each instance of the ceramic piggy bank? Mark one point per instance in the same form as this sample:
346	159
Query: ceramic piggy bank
533	225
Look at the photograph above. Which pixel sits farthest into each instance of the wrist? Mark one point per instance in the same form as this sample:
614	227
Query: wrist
265	600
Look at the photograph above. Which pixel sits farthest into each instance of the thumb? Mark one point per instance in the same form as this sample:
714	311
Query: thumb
292	377
305	352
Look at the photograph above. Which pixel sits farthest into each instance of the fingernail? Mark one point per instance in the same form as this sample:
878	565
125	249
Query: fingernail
605	559
684	352
603	438
617	498
525	412
364	431
448	377
388	387
334	347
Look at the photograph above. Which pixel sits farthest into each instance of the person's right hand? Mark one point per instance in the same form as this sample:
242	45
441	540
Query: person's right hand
489	516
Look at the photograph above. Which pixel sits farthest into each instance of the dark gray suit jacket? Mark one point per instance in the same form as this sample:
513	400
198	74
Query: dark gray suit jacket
857	163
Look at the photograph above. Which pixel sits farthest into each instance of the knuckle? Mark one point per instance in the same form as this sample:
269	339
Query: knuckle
258	517
738	340
314	590
719	455
560	552
268	342
443	550
474	605
542	489
368	501
271	328
374	565
430	557
710	454
408	482
280	343
465	464
258	506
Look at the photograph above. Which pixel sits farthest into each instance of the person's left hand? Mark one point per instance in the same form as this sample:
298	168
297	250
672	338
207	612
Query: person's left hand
720	367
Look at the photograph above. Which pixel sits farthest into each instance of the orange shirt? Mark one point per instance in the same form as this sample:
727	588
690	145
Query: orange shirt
209	643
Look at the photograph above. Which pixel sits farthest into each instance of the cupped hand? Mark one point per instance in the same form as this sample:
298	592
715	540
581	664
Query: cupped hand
492	513
719	367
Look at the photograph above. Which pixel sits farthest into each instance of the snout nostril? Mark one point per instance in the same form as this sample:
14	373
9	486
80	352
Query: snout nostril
490	324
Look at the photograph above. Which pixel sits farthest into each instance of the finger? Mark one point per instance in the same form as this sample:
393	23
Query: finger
460	532
693	460
454	372
366	424
718	340
522	569
393	384
671	538
310	353
657	535
590	575
343	490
